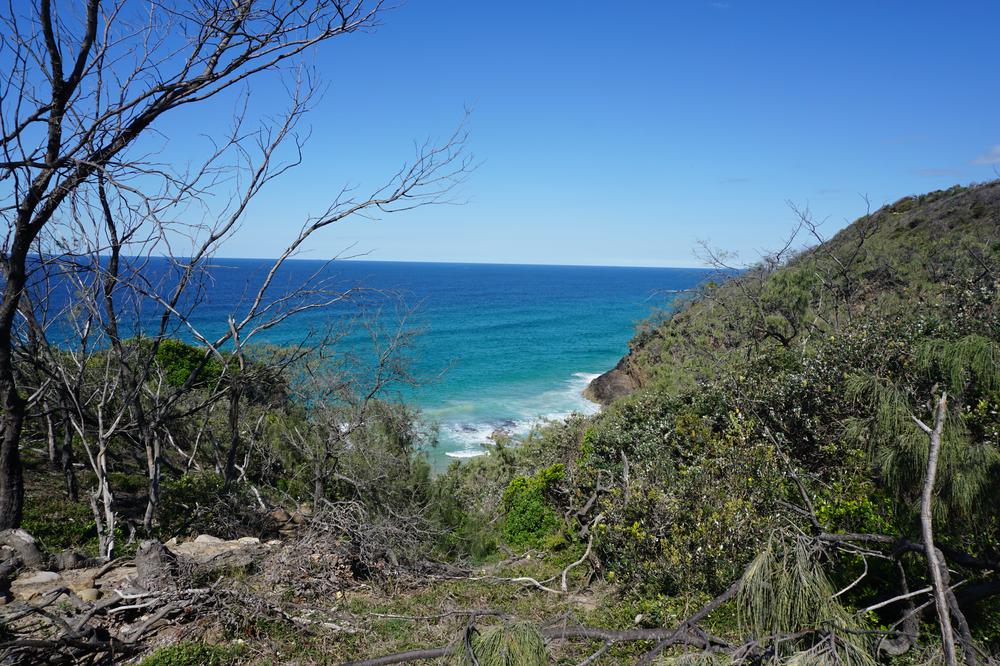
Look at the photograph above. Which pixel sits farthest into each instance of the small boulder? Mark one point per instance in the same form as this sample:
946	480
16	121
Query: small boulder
35	584
68	559
79	579
208	538
38	578
25	546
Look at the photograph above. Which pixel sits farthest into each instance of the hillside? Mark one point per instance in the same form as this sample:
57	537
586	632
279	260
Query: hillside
902	251
801	465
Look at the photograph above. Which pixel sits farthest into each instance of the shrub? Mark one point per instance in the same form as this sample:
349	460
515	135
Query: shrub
128	483
178	360
510	644
193	653
58	523
529	515
195	503
697	529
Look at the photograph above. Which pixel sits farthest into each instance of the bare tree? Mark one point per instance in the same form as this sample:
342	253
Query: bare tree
83	90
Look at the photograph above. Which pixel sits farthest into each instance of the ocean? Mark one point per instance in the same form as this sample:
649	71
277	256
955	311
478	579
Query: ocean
499	347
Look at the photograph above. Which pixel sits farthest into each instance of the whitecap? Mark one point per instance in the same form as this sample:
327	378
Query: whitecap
522	414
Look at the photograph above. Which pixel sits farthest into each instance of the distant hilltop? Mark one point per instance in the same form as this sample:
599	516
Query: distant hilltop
899	251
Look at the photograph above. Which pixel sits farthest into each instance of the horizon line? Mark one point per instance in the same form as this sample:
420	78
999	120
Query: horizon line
363	260
470	263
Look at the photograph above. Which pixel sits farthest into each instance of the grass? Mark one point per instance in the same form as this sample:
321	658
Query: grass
414	614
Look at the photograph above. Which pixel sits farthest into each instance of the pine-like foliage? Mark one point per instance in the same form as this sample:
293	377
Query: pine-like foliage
785	592
508	644
968	368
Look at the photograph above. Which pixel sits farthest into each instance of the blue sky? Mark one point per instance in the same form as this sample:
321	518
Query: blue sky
624	133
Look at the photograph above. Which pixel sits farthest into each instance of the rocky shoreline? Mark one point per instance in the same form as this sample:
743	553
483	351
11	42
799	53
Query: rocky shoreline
617	382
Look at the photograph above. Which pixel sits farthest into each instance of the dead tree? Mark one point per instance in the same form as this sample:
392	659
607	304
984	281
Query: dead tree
82	92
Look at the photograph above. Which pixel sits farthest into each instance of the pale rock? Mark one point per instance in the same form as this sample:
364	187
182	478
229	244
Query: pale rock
208	538
35	584
78	579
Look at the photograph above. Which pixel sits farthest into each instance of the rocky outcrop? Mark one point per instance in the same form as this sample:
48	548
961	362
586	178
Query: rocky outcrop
155	566
615	383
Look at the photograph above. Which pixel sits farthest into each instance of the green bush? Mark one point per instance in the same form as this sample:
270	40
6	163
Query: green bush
193	653
185	500
128	483
466	531
178	360
57	523
697	528
529	514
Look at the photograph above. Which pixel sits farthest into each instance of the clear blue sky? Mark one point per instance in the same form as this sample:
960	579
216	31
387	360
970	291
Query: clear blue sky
623	133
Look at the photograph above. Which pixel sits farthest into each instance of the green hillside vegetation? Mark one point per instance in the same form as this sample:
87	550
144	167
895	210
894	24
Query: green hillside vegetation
763	495
773	437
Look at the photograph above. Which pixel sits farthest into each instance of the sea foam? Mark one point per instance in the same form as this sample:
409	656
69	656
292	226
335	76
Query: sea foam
466	438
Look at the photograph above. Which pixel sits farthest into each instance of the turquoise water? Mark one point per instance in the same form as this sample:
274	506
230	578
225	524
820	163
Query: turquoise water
501	346
516	344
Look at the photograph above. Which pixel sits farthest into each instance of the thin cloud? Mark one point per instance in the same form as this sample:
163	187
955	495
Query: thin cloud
992	157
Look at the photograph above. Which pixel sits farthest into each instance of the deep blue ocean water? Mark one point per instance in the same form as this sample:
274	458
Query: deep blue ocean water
501	346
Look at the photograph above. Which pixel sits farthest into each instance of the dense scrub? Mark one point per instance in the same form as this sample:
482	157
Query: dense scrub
781	407
768	470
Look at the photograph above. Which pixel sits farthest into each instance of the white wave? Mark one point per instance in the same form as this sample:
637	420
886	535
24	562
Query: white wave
467	438
466	453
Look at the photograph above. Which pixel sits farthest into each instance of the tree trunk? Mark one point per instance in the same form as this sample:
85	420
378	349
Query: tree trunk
235	393
152	442
11	476
66	458
102	503
50	434
934	562
14	406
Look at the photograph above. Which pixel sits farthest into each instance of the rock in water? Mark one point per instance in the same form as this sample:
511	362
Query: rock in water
615	383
